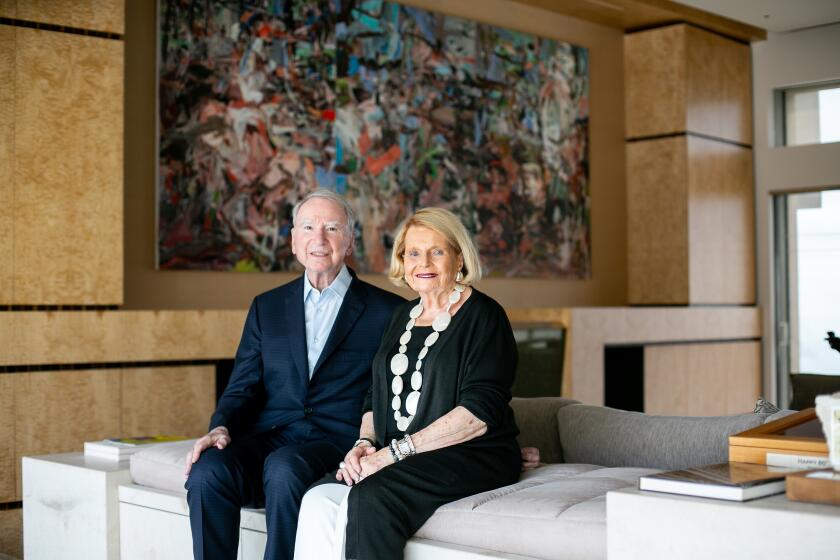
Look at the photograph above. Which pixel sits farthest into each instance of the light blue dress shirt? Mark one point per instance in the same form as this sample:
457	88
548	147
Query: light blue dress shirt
320	310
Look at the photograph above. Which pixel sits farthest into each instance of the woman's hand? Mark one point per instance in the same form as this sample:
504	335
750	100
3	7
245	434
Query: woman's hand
530	458
375	462
352	470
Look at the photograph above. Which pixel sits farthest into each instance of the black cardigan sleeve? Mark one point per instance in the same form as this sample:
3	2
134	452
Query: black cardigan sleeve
490	368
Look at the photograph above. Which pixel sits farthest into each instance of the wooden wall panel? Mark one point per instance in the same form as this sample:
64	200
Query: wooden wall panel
657	221
78	337
68	169
168	400
11	533
7	137
8	8
655	81
702	379
719	86
7	437
721	223
96	15
684	79
57	411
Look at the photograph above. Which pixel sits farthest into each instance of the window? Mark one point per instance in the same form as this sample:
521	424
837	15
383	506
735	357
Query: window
810	115
807	251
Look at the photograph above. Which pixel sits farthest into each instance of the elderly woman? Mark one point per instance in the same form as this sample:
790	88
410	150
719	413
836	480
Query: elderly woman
437	426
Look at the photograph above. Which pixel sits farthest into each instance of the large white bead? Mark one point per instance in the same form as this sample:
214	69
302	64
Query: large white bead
455	296
396	402
411	402
416	311
402	423
416	380
423	352
397	385
406	336
397	415
459	287
418	365
432	338
409	325
441	321
399	364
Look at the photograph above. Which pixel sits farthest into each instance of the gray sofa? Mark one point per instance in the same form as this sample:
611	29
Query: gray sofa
557	511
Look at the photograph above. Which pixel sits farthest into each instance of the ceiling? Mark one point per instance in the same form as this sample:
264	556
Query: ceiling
773	15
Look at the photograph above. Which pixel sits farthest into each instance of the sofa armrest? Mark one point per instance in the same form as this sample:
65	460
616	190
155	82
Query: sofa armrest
537	422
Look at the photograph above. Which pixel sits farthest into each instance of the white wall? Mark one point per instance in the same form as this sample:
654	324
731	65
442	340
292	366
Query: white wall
784	60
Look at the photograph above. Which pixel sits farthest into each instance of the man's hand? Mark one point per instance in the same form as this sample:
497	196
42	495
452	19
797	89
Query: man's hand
219	437
351	472
530	458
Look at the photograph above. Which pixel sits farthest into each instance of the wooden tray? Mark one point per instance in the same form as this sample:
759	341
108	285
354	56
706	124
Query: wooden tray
818	490
797	437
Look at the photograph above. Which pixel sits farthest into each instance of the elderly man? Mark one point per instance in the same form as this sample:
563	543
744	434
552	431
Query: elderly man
291	409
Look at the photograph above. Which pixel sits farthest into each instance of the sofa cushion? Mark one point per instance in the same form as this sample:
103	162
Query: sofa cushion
617	438
555	511
537	422
161	465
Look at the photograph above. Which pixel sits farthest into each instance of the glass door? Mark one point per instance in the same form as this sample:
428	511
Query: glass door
807	258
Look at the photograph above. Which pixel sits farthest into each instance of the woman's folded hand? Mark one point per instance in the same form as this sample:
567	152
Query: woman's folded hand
350	470
376	461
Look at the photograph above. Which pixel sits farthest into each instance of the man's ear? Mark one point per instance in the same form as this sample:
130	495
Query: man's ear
292	231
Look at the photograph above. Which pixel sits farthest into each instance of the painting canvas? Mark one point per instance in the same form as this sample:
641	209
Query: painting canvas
395	107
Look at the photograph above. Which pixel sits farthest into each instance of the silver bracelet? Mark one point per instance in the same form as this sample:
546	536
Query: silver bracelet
405	447
394	454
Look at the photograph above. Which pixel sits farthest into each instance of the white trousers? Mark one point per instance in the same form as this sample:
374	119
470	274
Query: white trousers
322	523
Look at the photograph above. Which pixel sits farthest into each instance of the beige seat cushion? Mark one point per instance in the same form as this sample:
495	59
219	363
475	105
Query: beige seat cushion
556	511
161	465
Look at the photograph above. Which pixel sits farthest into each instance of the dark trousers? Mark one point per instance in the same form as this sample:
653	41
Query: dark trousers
271	470
386	509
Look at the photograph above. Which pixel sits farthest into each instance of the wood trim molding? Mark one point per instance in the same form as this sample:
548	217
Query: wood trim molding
632	15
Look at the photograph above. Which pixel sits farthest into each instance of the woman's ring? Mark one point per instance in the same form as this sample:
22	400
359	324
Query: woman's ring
341	465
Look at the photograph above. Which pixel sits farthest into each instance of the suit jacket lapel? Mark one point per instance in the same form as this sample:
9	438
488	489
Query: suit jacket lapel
349	312
297	333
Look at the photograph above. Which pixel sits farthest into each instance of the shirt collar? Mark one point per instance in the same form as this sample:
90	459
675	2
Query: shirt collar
339	286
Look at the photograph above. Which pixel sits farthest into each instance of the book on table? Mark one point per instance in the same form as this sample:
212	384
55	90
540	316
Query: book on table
121	448
725	481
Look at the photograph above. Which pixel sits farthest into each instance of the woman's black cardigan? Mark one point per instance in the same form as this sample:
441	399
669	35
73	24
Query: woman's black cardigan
472	364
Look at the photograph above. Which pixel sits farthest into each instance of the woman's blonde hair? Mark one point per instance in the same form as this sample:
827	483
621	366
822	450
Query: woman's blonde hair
450	227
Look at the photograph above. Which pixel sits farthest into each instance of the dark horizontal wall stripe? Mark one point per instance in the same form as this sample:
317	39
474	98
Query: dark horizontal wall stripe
59	308
641	28
106	365
60	28
11	505
685	342
687	133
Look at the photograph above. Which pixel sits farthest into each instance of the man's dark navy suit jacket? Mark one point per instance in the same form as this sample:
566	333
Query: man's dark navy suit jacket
270	386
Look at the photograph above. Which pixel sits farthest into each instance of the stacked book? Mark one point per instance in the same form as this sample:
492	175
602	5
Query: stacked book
725	481
118	449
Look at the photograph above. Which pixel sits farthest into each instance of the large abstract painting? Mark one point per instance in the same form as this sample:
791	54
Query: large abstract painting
393	106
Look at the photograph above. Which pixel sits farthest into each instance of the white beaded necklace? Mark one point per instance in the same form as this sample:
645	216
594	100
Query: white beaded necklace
399	363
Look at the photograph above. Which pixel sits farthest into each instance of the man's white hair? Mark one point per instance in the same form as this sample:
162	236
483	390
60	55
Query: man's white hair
329	195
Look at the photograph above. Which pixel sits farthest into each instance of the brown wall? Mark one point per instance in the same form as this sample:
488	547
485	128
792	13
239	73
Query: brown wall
146	288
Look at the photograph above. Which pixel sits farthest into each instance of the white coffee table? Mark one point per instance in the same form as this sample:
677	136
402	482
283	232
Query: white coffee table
651	525
70	506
